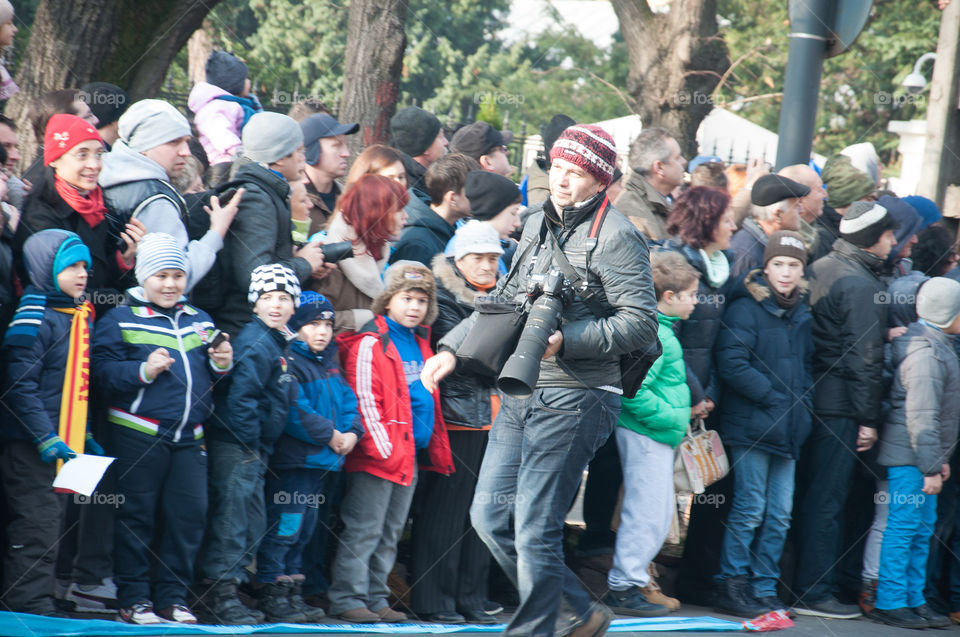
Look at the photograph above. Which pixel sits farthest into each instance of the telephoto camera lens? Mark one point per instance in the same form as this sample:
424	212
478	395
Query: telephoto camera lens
521	371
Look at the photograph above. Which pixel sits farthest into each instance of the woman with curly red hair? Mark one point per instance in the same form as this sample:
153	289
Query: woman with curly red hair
370	216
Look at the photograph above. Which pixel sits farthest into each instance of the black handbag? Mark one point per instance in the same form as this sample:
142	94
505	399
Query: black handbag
492	338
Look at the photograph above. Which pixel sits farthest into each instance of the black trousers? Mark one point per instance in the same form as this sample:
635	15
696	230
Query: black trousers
600	496
33	533
450	564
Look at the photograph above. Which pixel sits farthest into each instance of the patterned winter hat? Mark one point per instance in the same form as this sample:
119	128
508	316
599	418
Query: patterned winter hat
589	147
272	277
407	275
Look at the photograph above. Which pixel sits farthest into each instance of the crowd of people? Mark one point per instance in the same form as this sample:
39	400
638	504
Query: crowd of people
265	336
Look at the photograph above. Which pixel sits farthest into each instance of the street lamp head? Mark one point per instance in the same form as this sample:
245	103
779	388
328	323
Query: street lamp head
914	83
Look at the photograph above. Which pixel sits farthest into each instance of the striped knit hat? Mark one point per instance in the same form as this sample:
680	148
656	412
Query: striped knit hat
864	222
272	277
589	147
158	251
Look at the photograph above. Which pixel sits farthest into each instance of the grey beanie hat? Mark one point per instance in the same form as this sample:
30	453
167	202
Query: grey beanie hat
413	130
938	301
268	137
150	123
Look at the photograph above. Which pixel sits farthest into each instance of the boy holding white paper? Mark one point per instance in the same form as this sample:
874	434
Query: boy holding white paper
46	390
155	360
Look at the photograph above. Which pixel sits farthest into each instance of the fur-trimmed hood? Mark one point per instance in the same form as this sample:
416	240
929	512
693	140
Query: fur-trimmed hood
449	277
757	287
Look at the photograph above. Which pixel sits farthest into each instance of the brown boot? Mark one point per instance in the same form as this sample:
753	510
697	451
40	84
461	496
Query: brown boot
655	594
596	625
867	599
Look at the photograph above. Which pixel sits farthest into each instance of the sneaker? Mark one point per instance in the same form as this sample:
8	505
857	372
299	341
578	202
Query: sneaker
632	602
491	607
829	607
140	613
178	614
93	598
734	597
867	599
772	603
361	615
899	617
387	614
933	619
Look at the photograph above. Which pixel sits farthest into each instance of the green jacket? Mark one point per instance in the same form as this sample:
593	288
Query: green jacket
661	409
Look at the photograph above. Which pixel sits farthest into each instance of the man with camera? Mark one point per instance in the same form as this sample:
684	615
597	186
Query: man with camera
589	269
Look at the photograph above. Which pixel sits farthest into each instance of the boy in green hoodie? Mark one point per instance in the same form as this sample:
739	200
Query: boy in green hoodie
650	426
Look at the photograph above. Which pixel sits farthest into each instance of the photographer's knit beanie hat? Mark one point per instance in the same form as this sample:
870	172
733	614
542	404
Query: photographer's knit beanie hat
589	147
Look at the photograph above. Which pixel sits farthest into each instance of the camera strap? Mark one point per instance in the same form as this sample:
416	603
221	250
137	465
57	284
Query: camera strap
563	264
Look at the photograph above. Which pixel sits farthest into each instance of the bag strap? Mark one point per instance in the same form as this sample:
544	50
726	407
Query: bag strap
518	259
563	264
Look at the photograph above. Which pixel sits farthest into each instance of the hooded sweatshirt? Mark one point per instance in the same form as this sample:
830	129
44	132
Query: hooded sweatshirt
123	168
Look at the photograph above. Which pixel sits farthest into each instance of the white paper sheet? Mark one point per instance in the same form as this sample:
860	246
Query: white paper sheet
82	474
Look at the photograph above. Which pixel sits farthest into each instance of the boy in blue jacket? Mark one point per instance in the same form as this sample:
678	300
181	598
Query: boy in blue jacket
47	344
322	427
156	363
248	422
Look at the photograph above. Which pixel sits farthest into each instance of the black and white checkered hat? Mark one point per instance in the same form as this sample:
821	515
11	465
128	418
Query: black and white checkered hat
272	277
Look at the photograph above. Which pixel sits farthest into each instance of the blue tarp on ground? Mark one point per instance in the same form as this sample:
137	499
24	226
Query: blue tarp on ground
23	625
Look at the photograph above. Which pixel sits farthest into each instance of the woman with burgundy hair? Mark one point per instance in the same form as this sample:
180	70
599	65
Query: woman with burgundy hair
702	221
370	216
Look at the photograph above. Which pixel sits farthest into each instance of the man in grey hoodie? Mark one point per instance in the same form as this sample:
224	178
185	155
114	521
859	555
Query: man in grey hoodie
151	151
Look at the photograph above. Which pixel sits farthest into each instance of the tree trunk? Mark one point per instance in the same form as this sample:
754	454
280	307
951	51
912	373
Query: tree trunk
676	60
375	44
127	42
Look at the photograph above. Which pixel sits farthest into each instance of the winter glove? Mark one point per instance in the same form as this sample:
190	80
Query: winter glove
51	448
93	447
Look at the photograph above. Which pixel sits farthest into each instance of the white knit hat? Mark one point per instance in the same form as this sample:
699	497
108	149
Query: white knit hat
150	123
476	237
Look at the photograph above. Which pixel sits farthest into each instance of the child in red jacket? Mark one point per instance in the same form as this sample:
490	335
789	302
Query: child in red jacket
403	429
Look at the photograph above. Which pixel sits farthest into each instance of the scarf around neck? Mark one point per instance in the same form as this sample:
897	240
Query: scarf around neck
717	267
90	207
786	302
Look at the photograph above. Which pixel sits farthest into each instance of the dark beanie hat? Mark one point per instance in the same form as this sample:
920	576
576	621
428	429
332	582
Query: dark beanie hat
864	222
313	307
489	193
226	71
785	243
909	222
413	130
558	123
107	101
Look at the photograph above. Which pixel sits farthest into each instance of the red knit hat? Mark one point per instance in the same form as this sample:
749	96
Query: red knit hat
63	133
589	147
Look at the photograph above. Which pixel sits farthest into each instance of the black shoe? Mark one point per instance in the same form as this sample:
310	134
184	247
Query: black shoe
444	617
632	602
275	603
772	603
492	608
734	598
899	617
477	616
222	606
829	607
312	613
933	618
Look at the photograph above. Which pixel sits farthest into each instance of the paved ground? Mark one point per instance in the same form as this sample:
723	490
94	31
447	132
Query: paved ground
805	627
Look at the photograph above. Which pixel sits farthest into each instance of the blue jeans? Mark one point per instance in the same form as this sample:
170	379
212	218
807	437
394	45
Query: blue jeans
759	518
906	541
293	499
237	518
536	454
